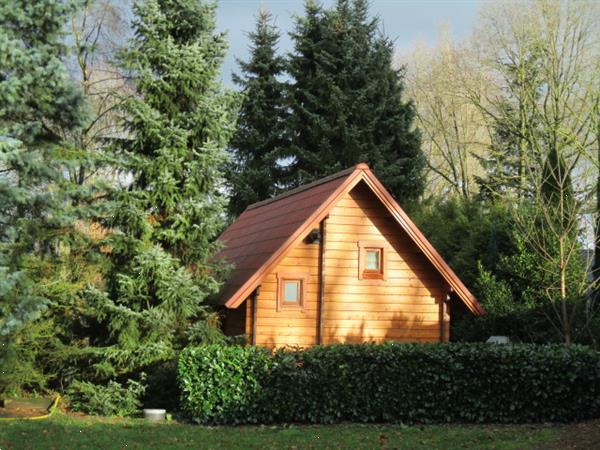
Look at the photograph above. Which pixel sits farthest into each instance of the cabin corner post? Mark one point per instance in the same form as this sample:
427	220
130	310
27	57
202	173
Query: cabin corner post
254	313
445	318
323	232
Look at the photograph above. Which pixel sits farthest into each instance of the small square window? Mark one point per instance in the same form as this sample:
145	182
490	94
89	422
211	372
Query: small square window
373	259
291	291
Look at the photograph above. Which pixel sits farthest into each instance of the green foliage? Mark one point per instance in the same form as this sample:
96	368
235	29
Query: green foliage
112	399
162	390
517	307
22	368
40	243
507	311
163	219
495	293
346	101
473	383
528	283
468	232
179	123
260	134
157	293
222	383
515	284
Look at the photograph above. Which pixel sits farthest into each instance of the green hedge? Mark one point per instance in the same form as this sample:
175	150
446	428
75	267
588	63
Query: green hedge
390	382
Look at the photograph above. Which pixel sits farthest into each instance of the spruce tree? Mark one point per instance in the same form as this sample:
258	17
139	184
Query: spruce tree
346	101
259	138
39	206
165	218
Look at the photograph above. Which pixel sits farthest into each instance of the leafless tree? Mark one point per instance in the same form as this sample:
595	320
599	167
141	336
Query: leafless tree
454	130
530	74
97	32
544	57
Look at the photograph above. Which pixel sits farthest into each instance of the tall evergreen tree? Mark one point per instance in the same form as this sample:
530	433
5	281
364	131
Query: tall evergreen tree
259	138
346	101
39	206
164	220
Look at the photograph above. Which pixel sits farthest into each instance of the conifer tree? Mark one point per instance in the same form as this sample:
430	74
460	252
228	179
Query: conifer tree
346	101
39	206
259	137
165	219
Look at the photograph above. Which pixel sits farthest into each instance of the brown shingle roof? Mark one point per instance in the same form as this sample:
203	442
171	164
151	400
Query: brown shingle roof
265	226
266	230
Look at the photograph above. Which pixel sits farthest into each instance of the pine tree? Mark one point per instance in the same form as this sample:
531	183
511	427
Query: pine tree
39	206
259	138
346	101
164	220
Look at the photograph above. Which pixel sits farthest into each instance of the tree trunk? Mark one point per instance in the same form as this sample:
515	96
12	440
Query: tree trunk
596	264
564	312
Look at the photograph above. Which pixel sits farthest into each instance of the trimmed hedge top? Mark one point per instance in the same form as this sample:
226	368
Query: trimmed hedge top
390	382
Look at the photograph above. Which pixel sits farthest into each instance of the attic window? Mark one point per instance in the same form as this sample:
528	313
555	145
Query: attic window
291	291
371	260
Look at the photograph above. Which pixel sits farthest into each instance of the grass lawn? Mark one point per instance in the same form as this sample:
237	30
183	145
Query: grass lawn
69	432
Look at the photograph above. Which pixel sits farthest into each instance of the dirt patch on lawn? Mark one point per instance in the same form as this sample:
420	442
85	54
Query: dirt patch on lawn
580	436
25	407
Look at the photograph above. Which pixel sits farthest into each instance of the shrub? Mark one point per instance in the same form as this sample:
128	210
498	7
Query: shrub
220	383
390	382
113	399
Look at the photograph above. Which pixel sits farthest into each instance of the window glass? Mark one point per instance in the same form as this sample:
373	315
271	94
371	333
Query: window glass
373	259
291	291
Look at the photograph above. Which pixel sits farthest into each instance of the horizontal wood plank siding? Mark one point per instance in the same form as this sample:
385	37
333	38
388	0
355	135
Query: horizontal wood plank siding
289	327
404	307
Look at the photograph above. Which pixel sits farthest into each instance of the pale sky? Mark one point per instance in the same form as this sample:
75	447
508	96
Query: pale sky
405	21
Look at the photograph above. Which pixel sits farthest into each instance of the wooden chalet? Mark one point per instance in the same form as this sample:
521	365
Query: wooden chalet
337	260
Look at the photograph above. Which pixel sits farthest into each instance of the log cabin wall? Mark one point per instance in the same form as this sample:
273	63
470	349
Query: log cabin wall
405	306
292	326
408	305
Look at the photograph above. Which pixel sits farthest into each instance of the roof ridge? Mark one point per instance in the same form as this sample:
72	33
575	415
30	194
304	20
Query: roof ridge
304	187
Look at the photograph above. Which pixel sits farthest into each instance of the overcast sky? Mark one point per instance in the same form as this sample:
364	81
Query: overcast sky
405	21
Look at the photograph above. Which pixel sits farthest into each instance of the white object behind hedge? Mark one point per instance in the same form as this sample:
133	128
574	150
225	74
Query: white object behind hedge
154	414
498	340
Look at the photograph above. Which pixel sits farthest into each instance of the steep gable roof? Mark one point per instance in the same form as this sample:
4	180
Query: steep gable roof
262	235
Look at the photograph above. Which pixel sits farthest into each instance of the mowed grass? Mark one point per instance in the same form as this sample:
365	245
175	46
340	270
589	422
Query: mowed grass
68	432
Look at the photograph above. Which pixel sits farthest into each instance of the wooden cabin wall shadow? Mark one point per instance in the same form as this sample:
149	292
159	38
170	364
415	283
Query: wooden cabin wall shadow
402	328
